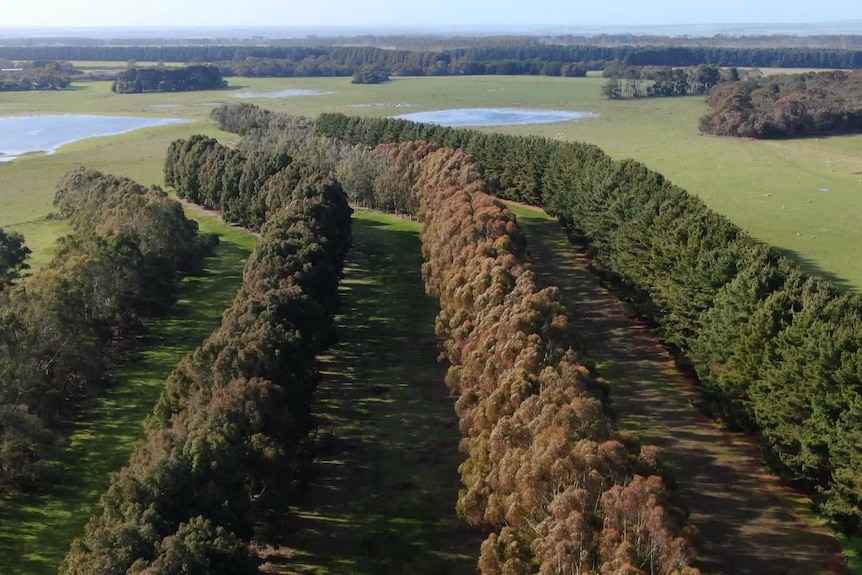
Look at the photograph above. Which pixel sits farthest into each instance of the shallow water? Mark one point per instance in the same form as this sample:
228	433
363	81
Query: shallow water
24	134
281	93
493	116
381	105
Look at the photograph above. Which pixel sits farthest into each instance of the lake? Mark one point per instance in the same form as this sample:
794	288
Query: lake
24	134
493	116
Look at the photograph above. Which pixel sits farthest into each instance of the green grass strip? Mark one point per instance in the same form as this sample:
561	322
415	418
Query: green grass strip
383	490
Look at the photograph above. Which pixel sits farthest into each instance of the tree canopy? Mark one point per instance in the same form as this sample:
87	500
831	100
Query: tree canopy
188	78
786	106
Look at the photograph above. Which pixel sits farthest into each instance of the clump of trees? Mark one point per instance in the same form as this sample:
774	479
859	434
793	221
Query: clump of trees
188	78
229	439
776	350
62	329
370	75
35	76
242	118
661	81
786	106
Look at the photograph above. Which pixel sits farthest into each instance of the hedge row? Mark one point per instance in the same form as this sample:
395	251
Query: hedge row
229	438
546	473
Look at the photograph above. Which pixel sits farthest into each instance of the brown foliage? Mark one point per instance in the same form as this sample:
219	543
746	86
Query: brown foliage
544	465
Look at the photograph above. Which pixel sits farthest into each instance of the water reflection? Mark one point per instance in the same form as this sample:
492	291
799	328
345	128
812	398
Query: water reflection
493	116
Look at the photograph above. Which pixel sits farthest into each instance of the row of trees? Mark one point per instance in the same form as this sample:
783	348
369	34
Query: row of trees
408	64
787	106
777	351
188	78
62	329
228	441
49	76
546	473
244	187
660	81
530	57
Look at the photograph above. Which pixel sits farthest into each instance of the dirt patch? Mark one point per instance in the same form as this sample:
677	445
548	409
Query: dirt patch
745	515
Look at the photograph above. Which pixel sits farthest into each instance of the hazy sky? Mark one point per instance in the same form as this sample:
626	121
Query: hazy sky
417	12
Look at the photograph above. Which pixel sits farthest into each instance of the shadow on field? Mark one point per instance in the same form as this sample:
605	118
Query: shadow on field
747	524
811	267
383	490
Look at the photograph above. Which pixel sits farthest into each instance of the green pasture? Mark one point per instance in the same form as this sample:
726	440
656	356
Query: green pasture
35	532
770	188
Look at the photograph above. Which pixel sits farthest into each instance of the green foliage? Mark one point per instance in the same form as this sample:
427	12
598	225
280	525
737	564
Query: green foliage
142	80
370	75
61	330
48	76
13	257
229	436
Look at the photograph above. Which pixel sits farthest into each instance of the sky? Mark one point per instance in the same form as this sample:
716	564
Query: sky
417	13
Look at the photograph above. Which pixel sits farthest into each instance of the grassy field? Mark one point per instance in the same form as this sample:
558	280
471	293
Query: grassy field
383	495
770	188
35	532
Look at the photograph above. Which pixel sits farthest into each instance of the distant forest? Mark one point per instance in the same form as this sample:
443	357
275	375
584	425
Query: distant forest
490	58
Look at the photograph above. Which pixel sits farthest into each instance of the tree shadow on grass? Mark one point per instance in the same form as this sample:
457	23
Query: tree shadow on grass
812	268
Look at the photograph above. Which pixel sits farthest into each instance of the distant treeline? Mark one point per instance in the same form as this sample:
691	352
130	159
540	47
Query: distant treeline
64	328
141	80
778	351
436	43
786	106
529	58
